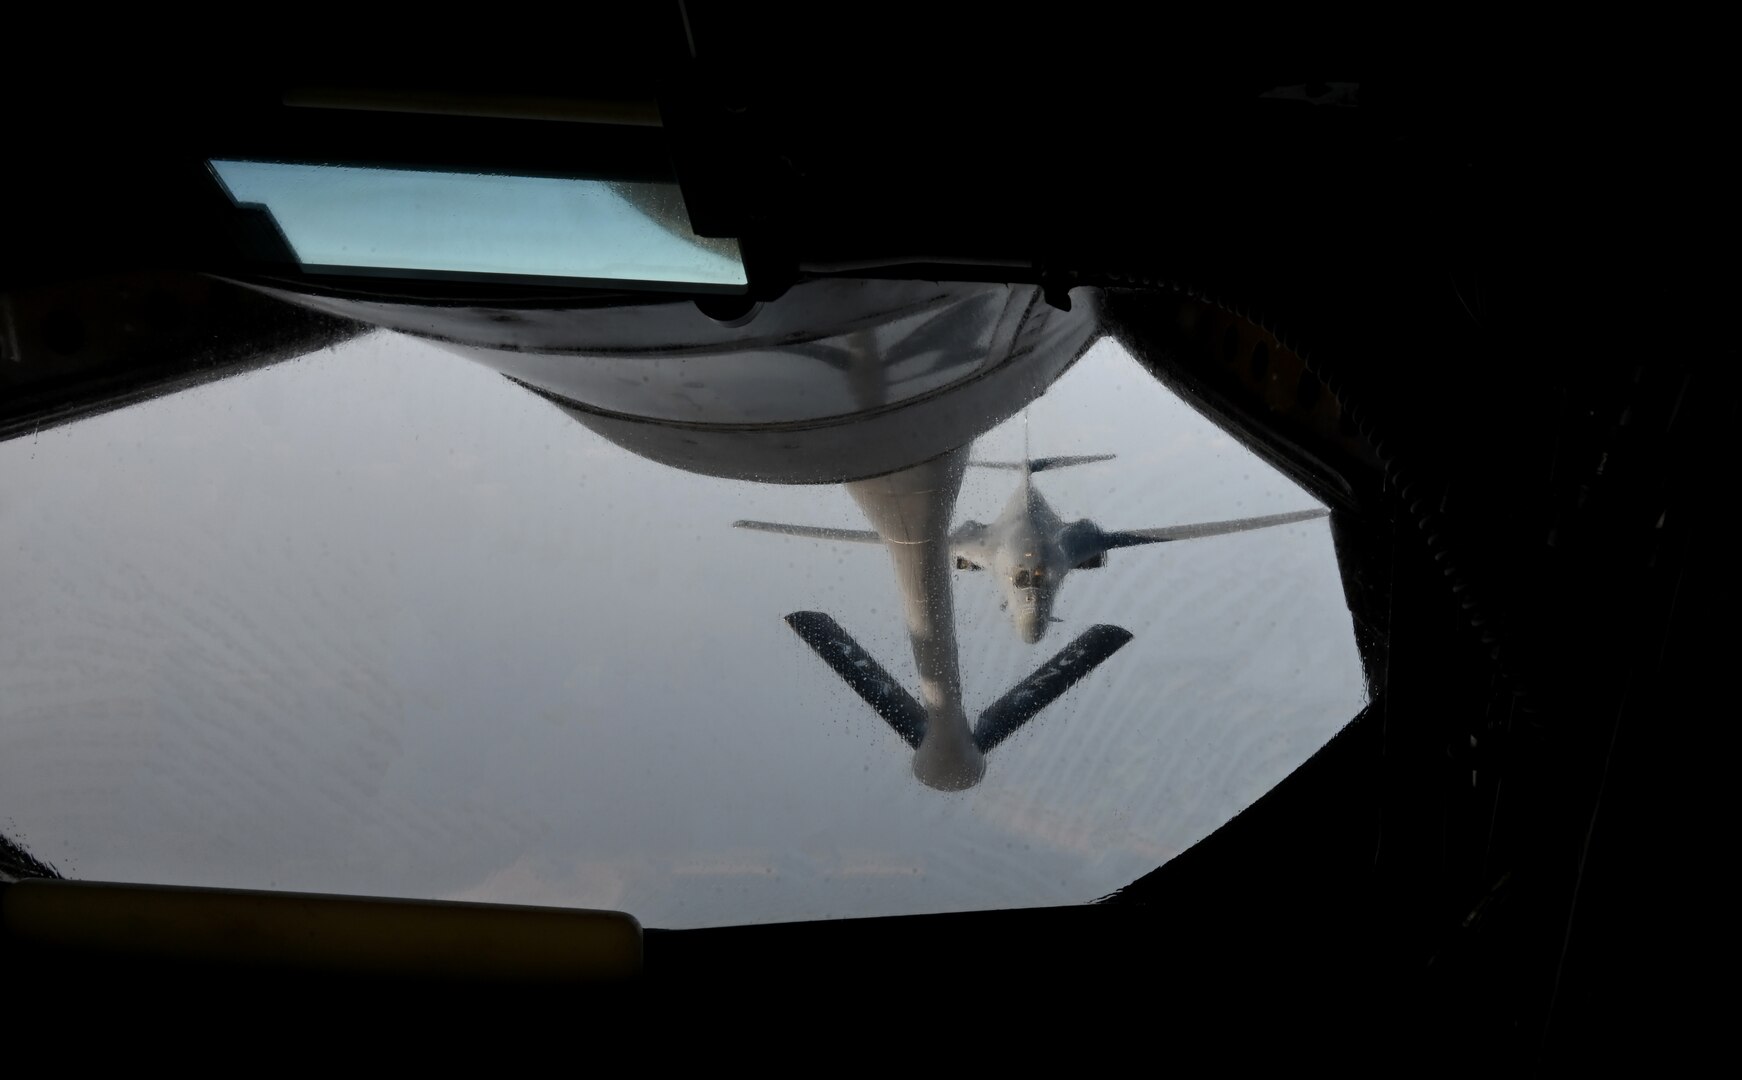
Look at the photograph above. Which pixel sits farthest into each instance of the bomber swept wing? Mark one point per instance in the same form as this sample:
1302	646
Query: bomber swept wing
1030	549
1087	540
1035	465
1083	539
812	532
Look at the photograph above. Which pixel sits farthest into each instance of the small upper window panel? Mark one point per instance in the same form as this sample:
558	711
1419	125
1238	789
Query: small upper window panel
352	219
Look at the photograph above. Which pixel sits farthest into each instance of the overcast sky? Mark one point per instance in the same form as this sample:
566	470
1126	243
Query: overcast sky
379	621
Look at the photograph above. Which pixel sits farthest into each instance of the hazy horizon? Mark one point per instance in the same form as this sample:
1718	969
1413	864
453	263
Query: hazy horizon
379	621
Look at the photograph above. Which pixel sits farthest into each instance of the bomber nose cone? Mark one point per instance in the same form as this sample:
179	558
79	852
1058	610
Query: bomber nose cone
1030	614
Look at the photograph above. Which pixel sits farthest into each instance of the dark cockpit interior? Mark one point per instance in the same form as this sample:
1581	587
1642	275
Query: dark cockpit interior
1449	300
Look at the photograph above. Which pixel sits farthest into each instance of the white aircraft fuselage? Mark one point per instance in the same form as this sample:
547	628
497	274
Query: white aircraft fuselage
1024	548
1029	548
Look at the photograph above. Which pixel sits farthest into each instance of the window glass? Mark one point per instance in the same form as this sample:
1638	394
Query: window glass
341	218
380	621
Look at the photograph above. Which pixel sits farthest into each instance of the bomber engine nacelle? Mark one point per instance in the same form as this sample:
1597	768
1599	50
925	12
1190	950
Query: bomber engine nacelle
1093	562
